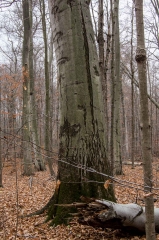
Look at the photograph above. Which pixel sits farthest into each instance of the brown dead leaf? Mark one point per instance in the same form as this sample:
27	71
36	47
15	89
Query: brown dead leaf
148	194
107	183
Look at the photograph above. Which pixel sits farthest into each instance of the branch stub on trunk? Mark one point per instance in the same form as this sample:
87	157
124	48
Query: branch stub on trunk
140	55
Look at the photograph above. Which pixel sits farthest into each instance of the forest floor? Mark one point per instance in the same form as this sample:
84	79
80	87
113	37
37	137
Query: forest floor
23	195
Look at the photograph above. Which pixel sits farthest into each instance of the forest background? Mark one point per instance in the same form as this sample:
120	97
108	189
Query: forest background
43	141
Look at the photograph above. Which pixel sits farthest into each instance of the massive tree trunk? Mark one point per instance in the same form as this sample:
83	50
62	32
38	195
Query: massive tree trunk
145	126
82	134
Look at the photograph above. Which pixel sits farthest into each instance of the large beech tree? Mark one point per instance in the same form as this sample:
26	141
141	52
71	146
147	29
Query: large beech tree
82	134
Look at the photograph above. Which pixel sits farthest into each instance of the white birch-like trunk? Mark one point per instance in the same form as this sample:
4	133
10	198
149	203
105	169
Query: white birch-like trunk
106	214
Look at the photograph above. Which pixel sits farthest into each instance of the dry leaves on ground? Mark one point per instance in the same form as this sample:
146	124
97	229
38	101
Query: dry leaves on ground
29	194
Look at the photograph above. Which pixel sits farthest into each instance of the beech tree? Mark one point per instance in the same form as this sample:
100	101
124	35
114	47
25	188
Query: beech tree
132	90
48	129
39	163
28	170
82	148
1	165
116	92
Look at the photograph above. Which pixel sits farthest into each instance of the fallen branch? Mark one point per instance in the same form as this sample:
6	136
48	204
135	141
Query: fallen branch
106	214
130	163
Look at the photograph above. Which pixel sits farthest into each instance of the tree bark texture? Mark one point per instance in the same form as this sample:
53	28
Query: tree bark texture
1	165
28	170
117	93
82	133
127	72
38	160
48	128
132	91
145	125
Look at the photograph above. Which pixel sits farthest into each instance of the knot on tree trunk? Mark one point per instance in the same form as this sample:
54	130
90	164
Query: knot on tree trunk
140	55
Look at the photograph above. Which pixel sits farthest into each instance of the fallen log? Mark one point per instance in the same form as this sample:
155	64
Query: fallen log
107	214
130	163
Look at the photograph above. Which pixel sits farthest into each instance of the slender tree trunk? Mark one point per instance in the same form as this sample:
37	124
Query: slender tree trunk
116	92
106	77
51	77
101	46
132	92
117	96
145	125
102	70
1	165
53	93
151	109
82	132
125	142
28	170
112	132
33	116
48	133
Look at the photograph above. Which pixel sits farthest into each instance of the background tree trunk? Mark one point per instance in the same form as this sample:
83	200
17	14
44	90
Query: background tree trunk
33	113
28	169
1	165
145	125
48	128
132	90
117	93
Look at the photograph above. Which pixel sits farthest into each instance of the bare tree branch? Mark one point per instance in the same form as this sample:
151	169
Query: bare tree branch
5	3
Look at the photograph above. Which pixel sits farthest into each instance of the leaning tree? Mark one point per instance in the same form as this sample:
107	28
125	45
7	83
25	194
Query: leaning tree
82	164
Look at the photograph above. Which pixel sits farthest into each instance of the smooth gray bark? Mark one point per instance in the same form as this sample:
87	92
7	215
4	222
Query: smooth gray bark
102	62
38	160
132	90
128	73
131	215
1	165
117	92
145	125
82	132
28	168
107	214
48	128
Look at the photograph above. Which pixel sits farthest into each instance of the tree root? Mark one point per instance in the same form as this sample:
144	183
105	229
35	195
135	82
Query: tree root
40	211
46	207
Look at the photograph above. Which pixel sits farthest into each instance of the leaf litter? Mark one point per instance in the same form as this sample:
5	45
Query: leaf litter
32	193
